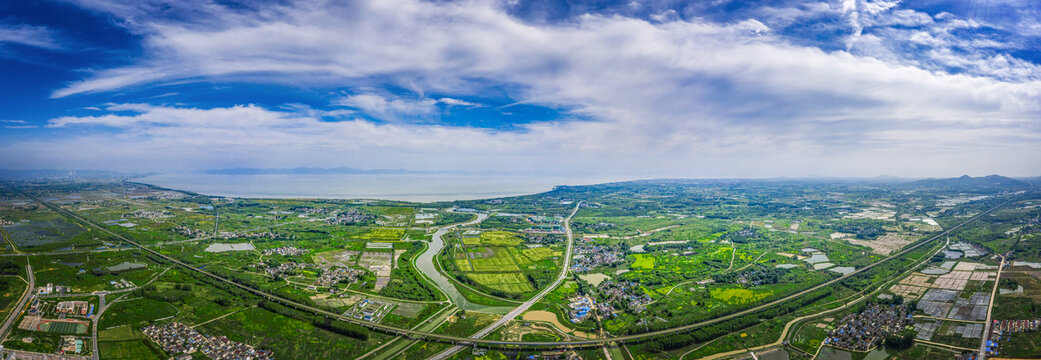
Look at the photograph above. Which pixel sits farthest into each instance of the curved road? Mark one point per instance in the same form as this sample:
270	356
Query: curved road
514	344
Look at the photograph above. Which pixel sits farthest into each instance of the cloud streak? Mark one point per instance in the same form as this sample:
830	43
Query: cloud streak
28	35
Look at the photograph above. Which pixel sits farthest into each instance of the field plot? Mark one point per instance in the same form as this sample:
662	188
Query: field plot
955	280
885	244
499	238
381	234
532	255
739	296
501	262
41	233
377	262
380	264
508	282
335	258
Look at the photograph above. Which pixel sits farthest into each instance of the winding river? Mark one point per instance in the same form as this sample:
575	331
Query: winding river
425	264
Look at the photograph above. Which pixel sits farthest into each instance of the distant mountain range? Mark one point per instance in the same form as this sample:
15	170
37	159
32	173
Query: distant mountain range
966	182
310	171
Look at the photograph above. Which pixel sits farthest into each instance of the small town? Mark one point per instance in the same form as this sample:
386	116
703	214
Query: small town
338	274
350	217
177	338
628	294
285	251
589	257
866	329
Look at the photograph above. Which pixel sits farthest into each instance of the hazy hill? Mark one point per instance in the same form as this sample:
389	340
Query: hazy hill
968	183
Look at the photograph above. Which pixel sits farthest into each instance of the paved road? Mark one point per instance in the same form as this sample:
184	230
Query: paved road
94	327
17	310
69	252
527	304
990	308
29	355
7	238
515	344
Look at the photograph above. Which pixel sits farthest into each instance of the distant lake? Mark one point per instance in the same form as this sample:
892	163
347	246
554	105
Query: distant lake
406	187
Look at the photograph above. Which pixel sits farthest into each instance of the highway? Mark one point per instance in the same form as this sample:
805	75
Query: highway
17	310
783	339
990	308
514	344
527	304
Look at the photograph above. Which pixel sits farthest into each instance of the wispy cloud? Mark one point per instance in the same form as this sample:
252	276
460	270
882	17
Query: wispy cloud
458	102
28	35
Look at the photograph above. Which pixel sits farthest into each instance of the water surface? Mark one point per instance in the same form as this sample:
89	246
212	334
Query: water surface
405	187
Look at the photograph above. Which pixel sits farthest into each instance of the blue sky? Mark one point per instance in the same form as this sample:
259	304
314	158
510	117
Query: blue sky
621	88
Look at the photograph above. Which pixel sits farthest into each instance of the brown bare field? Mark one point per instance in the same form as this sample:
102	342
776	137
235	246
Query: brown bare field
885	244
546	316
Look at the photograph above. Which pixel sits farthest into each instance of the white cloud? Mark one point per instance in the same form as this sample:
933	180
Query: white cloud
677	97
382	107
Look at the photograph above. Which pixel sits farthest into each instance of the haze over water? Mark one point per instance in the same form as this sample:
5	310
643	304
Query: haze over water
405	187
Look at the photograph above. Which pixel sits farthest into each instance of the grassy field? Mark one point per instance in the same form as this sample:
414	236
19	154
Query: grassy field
739	296
39	341
136	312
11	289
1022	345
95	274
129	349
288	338
643	262
118	333
1025	305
